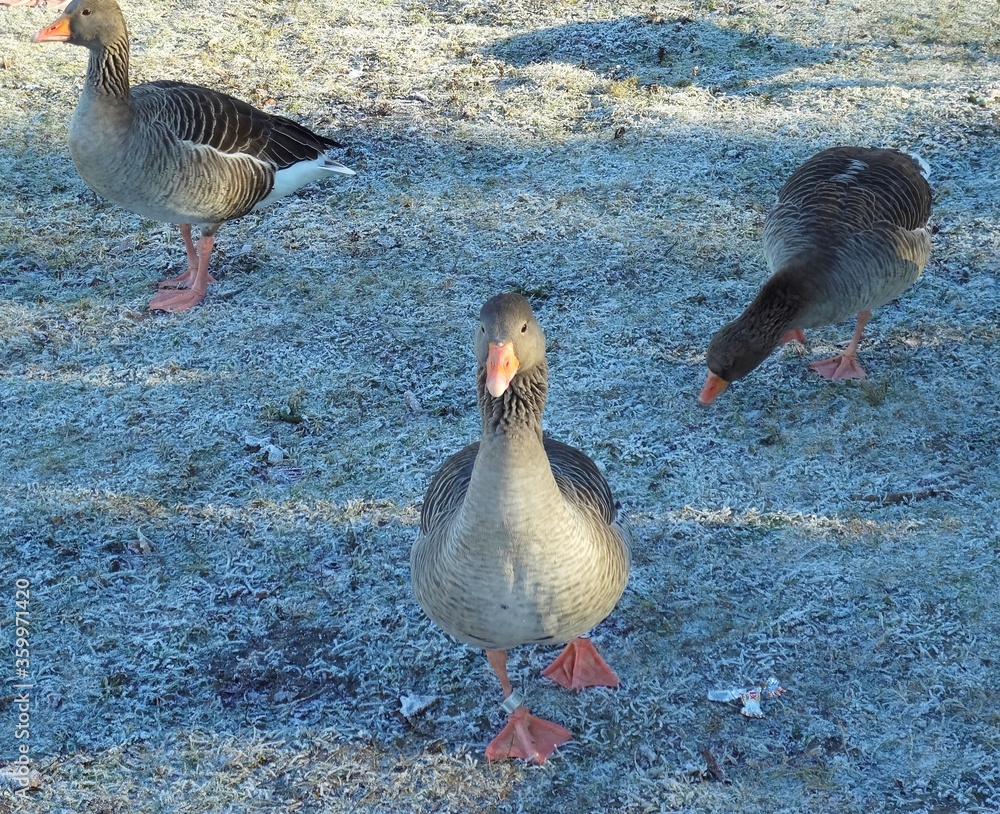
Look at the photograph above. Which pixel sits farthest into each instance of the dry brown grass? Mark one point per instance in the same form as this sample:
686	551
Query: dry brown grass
215	508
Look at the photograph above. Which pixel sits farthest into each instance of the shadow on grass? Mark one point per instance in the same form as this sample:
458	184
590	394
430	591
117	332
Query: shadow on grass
675	51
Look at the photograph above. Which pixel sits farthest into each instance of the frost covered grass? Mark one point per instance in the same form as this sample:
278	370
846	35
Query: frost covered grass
215	508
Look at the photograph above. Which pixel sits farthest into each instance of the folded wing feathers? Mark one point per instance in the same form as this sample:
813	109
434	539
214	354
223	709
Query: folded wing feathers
577	476
229	125
580	481
864	185
448	487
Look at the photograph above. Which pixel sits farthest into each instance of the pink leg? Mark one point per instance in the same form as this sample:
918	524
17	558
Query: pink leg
524	736
185	280
498	661
181	299
797	334
845	365
579	665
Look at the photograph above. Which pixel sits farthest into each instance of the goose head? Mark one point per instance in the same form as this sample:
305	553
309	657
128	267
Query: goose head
732	354
509	341
90	23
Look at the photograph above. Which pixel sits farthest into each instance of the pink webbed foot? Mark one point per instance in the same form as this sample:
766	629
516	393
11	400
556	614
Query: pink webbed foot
185	280
839	367
845	365
180	299
195	279
580	666
797	334
189	279
527	737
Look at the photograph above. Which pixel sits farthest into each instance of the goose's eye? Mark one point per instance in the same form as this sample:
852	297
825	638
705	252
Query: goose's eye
85	12
482	329
524	328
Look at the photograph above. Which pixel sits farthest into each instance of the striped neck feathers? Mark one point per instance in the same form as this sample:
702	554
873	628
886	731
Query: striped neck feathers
744	343
519	408
781	302
107	70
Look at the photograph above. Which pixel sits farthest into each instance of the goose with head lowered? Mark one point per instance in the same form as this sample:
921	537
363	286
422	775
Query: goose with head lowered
177	152
848	234
521	540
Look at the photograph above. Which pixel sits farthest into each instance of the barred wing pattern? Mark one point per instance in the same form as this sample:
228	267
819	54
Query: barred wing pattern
448	488
860	214
578	478
215	157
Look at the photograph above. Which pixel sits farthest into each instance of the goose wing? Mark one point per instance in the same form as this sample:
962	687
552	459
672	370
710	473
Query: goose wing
855	198
582	483
448	488
207	118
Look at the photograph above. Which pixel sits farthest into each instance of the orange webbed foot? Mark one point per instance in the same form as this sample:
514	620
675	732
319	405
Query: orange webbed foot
580	666
527	737
839	367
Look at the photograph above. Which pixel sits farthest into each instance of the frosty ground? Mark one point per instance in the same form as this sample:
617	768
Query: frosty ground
214	509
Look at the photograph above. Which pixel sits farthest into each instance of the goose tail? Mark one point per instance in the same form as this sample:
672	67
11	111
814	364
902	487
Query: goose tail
335	166
925	168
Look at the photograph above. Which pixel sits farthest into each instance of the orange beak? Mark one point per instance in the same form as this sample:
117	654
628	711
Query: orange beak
501	367
56	32
713	386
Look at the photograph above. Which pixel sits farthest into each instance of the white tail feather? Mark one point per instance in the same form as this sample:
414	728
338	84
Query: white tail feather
925	168
289	179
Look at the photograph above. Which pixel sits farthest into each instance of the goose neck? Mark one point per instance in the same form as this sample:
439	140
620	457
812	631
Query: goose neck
781	301
107	70
517	413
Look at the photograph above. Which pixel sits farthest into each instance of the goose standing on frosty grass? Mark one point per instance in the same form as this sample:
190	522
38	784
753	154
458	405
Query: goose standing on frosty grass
521	541
176	152
848	234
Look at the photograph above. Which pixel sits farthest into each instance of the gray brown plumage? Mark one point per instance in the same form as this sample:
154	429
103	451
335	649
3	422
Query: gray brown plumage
177	152
847	235
521	540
